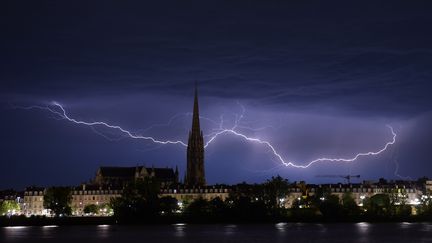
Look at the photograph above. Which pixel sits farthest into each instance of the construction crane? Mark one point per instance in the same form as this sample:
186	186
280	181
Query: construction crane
346	177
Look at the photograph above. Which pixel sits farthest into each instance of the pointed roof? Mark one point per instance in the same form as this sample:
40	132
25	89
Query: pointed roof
195	117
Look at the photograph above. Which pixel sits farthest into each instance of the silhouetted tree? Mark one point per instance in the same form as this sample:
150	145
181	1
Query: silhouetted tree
91	209
168	205
275	191
330	207
349	206
218	207
198	209
378	205
58	199
139	200
321	193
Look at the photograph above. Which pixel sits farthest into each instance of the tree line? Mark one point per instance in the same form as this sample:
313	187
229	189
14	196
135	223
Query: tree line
141	202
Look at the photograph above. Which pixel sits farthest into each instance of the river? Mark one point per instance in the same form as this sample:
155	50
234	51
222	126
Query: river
281	232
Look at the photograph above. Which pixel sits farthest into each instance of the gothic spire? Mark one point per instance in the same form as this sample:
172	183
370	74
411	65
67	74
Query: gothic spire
195	118
195	174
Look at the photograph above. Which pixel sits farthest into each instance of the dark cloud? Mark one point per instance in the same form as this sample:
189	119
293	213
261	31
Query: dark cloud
317	73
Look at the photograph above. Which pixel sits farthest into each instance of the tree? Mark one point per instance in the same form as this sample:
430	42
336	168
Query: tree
106	209
276	189
246	208
139	200
330	207
58	199
306	201
9	207
349	206
320	195
378	205
91	209
218	207
398	203
168	205
198	209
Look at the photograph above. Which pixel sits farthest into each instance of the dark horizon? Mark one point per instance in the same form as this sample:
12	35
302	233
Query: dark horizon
314	80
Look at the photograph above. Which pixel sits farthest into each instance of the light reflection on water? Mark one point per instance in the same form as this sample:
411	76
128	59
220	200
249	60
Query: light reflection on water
179	229
230	229
48	231
103	230
363	227
49	226
15	227
405	225
281	227
279	232
16	231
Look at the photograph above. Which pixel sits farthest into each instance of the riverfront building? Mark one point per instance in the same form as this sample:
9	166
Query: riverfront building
33	201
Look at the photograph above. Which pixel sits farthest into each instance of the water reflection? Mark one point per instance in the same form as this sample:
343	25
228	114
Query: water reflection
230	229
322	228
280	232
180	229
103	230
15	231
363	227
405	225
48	231
49	226
281	227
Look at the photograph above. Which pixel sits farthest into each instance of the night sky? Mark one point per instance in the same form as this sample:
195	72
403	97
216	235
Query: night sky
316	79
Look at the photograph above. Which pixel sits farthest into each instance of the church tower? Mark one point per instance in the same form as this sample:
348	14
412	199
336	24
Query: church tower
195	175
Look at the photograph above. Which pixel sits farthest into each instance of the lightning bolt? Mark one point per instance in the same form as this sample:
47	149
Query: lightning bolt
395	158
293	164
214	135
62	114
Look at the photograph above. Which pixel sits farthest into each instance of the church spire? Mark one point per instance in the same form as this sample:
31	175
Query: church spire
195	118
195	175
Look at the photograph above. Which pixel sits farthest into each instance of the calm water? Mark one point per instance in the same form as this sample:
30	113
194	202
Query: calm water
282	232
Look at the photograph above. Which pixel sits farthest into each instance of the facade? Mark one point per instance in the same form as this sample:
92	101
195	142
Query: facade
81	197
120	176
33	201
191	194
195	171
400	192
428	186
92	195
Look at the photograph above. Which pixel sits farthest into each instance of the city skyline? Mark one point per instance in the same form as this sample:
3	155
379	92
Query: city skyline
293	74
